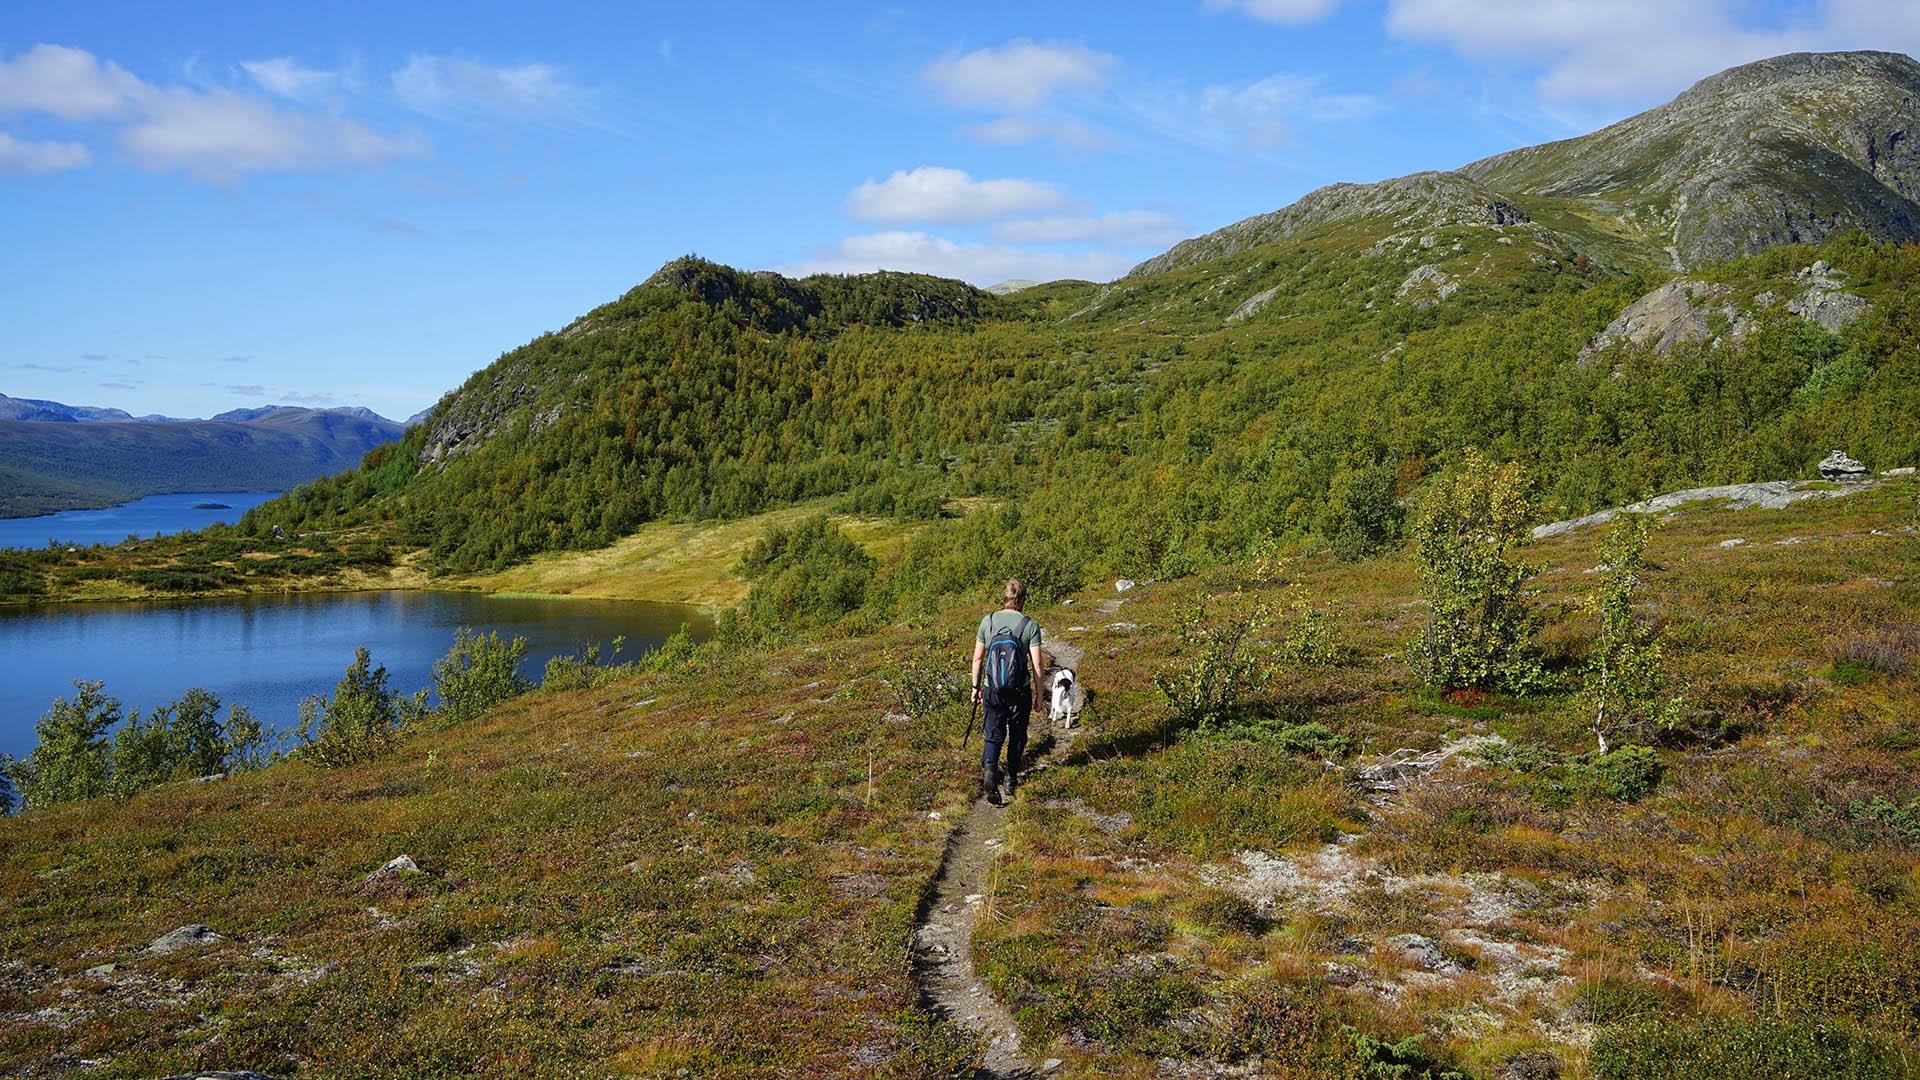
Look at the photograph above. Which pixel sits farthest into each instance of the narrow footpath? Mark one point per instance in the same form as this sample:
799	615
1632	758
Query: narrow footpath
964	889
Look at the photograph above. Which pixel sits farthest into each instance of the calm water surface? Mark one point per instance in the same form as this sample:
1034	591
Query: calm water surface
270	652
155	515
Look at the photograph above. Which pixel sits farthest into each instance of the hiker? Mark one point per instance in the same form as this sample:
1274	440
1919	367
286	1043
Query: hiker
1006	654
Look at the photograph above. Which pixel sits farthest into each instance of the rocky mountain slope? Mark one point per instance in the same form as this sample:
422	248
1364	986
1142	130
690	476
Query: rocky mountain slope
1786	150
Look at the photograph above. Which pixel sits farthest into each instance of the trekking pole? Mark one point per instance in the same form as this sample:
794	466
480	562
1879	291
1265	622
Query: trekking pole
971	713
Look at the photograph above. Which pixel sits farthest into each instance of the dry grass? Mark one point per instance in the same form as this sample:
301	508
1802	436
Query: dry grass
673	562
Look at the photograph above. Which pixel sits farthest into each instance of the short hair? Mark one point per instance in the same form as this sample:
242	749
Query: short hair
1015	592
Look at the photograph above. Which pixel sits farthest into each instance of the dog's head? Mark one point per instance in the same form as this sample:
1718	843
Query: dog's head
1063	677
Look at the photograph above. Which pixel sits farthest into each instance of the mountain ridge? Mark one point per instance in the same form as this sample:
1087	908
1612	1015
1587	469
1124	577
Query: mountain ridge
1834	149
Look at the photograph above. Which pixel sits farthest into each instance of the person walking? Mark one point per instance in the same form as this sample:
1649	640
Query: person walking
1007	671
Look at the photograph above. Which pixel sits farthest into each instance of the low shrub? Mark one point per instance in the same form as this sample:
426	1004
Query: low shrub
1284	1025
1225	912
1627	773
479	672
1862	657
1901	823
1779	1049
923	685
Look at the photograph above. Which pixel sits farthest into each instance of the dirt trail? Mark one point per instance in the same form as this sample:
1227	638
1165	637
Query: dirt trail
966	887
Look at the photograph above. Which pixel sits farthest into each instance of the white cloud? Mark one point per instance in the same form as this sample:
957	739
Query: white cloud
981	264
1636	50
68	83
1127	228
215	133
1278	11
1019	75
286	77
27	156
219	135
1018	130
442	85
932	193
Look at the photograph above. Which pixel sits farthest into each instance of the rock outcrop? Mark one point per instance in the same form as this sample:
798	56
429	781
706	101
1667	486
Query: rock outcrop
1837	466
1764	495
1422	201
185	937
1425	287
1682	310
1823	301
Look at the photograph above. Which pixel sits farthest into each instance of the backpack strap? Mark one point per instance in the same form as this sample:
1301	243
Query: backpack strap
1020	632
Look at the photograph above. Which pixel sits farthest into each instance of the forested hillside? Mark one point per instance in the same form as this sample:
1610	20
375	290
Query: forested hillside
1250	384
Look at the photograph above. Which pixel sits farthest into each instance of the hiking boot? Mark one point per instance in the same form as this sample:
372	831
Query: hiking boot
990	785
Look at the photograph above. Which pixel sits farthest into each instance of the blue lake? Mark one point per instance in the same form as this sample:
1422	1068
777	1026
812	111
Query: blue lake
155	515
269	652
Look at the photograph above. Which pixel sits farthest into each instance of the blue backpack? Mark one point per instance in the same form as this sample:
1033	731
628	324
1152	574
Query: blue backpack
1007	678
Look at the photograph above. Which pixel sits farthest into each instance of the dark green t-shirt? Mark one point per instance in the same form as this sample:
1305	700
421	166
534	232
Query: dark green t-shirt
1000	620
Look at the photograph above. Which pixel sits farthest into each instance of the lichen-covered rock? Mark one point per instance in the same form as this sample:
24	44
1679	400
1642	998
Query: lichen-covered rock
185	937
1682	310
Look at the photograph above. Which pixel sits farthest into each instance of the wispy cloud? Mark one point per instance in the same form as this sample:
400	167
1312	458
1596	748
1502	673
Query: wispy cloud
1278	11
29	156
1019	75
288	78
1124	228
1247	117
1017	130
454	87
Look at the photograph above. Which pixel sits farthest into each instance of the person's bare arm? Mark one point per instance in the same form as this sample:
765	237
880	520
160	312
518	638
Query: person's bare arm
979	651
1039	670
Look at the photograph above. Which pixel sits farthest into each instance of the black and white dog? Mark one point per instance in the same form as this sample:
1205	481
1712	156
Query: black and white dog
1066	698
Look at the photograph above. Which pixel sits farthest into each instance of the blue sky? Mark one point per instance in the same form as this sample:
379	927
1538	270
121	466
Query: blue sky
208	206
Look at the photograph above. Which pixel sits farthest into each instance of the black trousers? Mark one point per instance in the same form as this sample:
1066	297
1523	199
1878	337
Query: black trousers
1006	724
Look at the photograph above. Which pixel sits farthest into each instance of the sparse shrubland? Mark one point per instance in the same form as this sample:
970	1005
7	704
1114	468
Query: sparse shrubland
85	750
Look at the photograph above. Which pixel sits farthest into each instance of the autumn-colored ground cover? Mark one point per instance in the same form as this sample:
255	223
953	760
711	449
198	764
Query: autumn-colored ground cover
716	868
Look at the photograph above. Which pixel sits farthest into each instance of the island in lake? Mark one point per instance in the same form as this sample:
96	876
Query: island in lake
211	506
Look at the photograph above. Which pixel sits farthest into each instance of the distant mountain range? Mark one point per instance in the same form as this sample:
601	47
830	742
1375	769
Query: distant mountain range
55	456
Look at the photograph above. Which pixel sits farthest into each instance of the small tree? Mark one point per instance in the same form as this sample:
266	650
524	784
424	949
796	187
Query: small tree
1366	514
7	766
479	672
71	758
184	739
1467	533
360	721
1307	635
1625	684
1222	667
